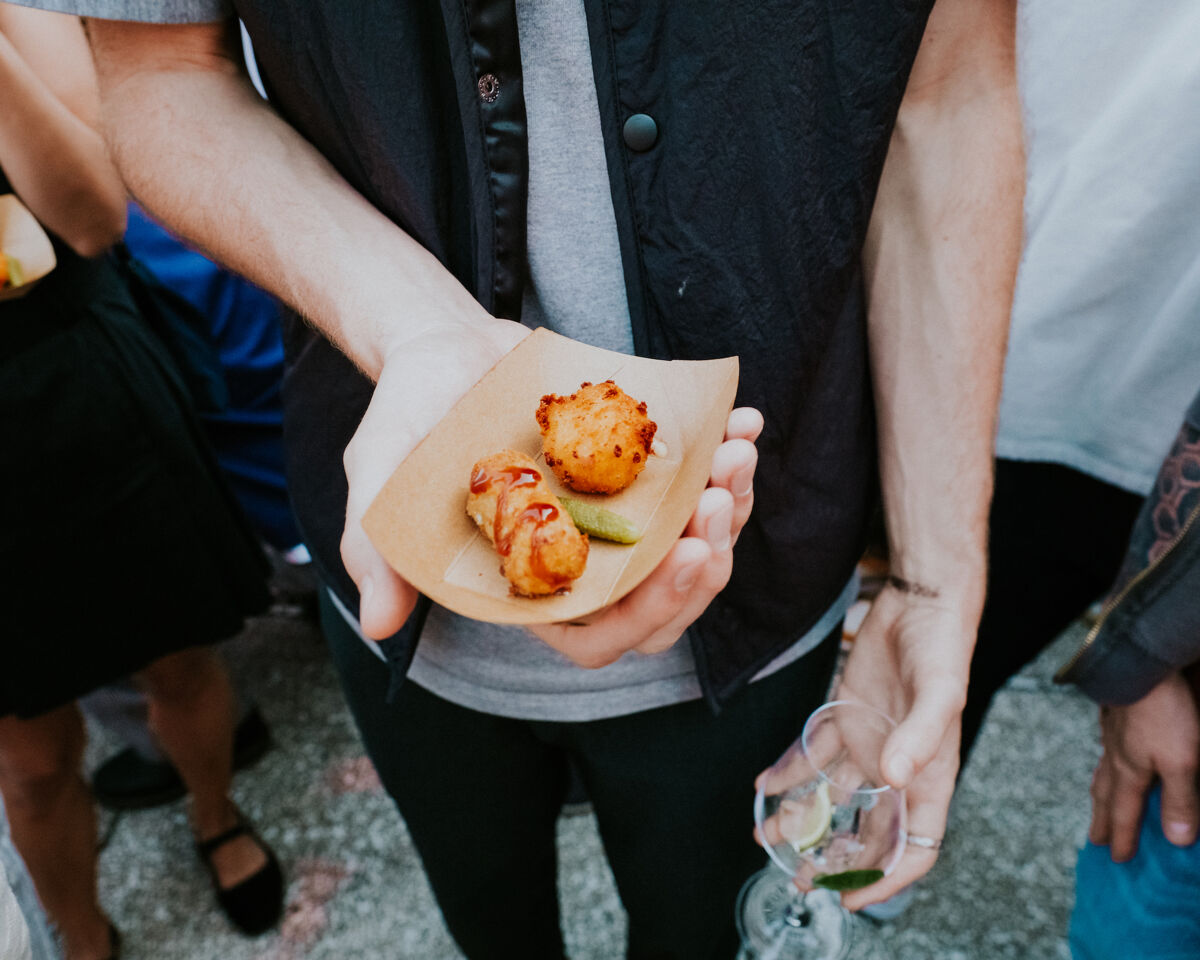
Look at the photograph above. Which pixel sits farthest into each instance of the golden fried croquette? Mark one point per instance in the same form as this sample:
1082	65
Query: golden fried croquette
540	549
597	439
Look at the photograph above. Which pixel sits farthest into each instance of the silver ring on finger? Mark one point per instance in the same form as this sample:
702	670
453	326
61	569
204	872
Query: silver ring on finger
924	843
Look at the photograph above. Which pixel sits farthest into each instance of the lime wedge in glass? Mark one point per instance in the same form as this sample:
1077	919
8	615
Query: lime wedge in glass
804	819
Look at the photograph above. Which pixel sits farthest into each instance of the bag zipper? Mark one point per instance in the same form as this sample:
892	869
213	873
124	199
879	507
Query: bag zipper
1114	602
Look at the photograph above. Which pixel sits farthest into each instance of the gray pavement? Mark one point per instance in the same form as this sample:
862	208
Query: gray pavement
1002	888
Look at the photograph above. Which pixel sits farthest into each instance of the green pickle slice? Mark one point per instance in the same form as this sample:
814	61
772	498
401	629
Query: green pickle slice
598	522
847	880
16	276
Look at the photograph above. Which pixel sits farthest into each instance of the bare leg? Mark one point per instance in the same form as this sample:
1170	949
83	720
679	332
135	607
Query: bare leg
53	823
191	711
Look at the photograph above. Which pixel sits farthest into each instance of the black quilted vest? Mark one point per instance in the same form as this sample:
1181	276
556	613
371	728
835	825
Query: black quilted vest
741	229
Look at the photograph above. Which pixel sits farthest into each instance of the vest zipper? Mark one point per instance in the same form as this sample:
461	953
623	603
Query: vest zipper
1061	675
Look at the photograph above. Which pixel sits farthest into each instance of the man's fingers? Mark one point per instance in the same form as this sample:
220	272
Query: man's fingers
926	819
928	803
1100	830
744	423
714	574
719	516
919	735
793	768
385	600
735	460
1128	802
733	468
912	867
654	615
713	519
638	616
713	523
1179	805
660	609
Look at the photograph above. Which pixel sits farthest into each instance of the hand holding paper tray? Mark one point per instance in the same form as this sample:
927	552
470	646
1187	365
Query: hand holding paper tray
23	238
419	526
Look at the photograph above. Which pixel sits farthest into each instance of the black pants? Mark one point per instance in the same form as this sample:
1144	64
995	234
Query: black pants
672	790
1057	539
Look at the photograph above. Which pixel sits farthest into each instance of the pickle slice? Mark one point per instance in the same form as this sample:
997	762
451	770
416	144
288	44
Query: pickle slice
16	276
600	523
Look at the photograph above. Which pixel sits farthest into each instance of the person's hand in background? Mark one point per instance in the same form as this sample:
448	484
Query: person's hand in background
1155	739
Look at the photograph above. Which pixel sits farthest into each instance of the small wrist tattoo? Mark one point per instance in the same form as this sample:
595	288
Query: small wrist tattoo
911	586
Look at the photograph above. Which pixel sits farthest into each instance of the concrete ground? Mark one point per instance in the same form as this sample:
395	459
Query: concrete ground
1002	889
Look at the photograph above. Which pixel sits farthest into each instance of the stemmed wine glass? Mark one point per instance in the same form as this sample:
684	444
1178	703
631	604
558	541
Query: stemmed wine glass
830	823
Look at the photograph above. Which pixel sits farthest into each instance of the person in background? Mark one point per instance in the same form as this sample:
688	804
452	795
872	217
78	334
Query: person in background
123	552
1105	339
1140	897
425	176
243	325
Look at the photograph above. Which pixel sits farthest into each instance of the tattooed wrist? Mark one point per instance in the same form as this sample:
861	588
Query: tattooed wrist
912	587
1174	497
1176	490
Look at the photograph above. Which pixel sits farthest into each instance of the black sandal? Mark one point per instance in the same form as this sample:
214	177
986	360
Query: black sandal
255	905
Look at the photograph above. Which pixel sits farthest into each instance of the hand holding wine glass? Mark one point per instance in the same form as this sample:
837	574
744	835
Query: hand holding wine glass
830	822
911	658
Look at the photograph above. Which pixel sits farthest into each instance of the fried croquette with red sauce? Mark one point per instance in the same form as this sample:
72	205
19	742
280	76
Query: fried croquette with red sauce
596	440
541	551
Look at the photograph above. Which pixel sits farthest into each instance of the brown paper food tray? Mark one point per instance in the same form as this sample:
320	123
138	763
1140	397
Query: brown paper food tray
419	521
22	237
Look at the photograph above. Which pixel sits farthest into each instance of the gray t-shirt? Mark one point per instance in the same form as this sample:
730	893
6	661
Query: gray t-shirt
576	288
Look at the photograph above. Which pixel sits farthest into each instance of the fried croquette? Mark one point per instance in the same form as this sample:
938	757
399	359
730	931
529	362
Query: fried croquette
541	551
596	440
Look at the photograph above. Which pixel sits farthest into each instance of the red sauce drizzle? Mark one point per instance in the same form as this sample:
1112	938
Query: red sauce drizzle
481	479
537	513
541	512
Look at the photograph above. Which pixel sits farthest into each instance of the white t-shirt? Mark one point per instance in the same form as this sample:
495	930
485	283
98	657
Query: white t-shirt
1104	352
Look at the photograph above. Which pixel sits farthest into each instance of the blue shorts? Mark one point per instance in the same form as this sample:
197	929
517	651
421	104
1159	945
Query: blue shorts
1147	908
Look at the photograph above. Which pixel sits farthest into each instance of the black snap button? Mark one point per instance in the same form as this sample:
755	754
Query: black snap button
489	88
640	132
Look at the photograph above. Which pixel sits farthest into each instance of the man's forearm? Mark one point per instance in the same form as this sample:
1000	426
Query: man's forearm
940	262
204	154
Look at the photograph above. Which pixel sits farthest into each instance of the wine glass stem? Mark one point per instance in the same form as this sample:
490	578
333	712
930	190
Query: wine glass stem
798	915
